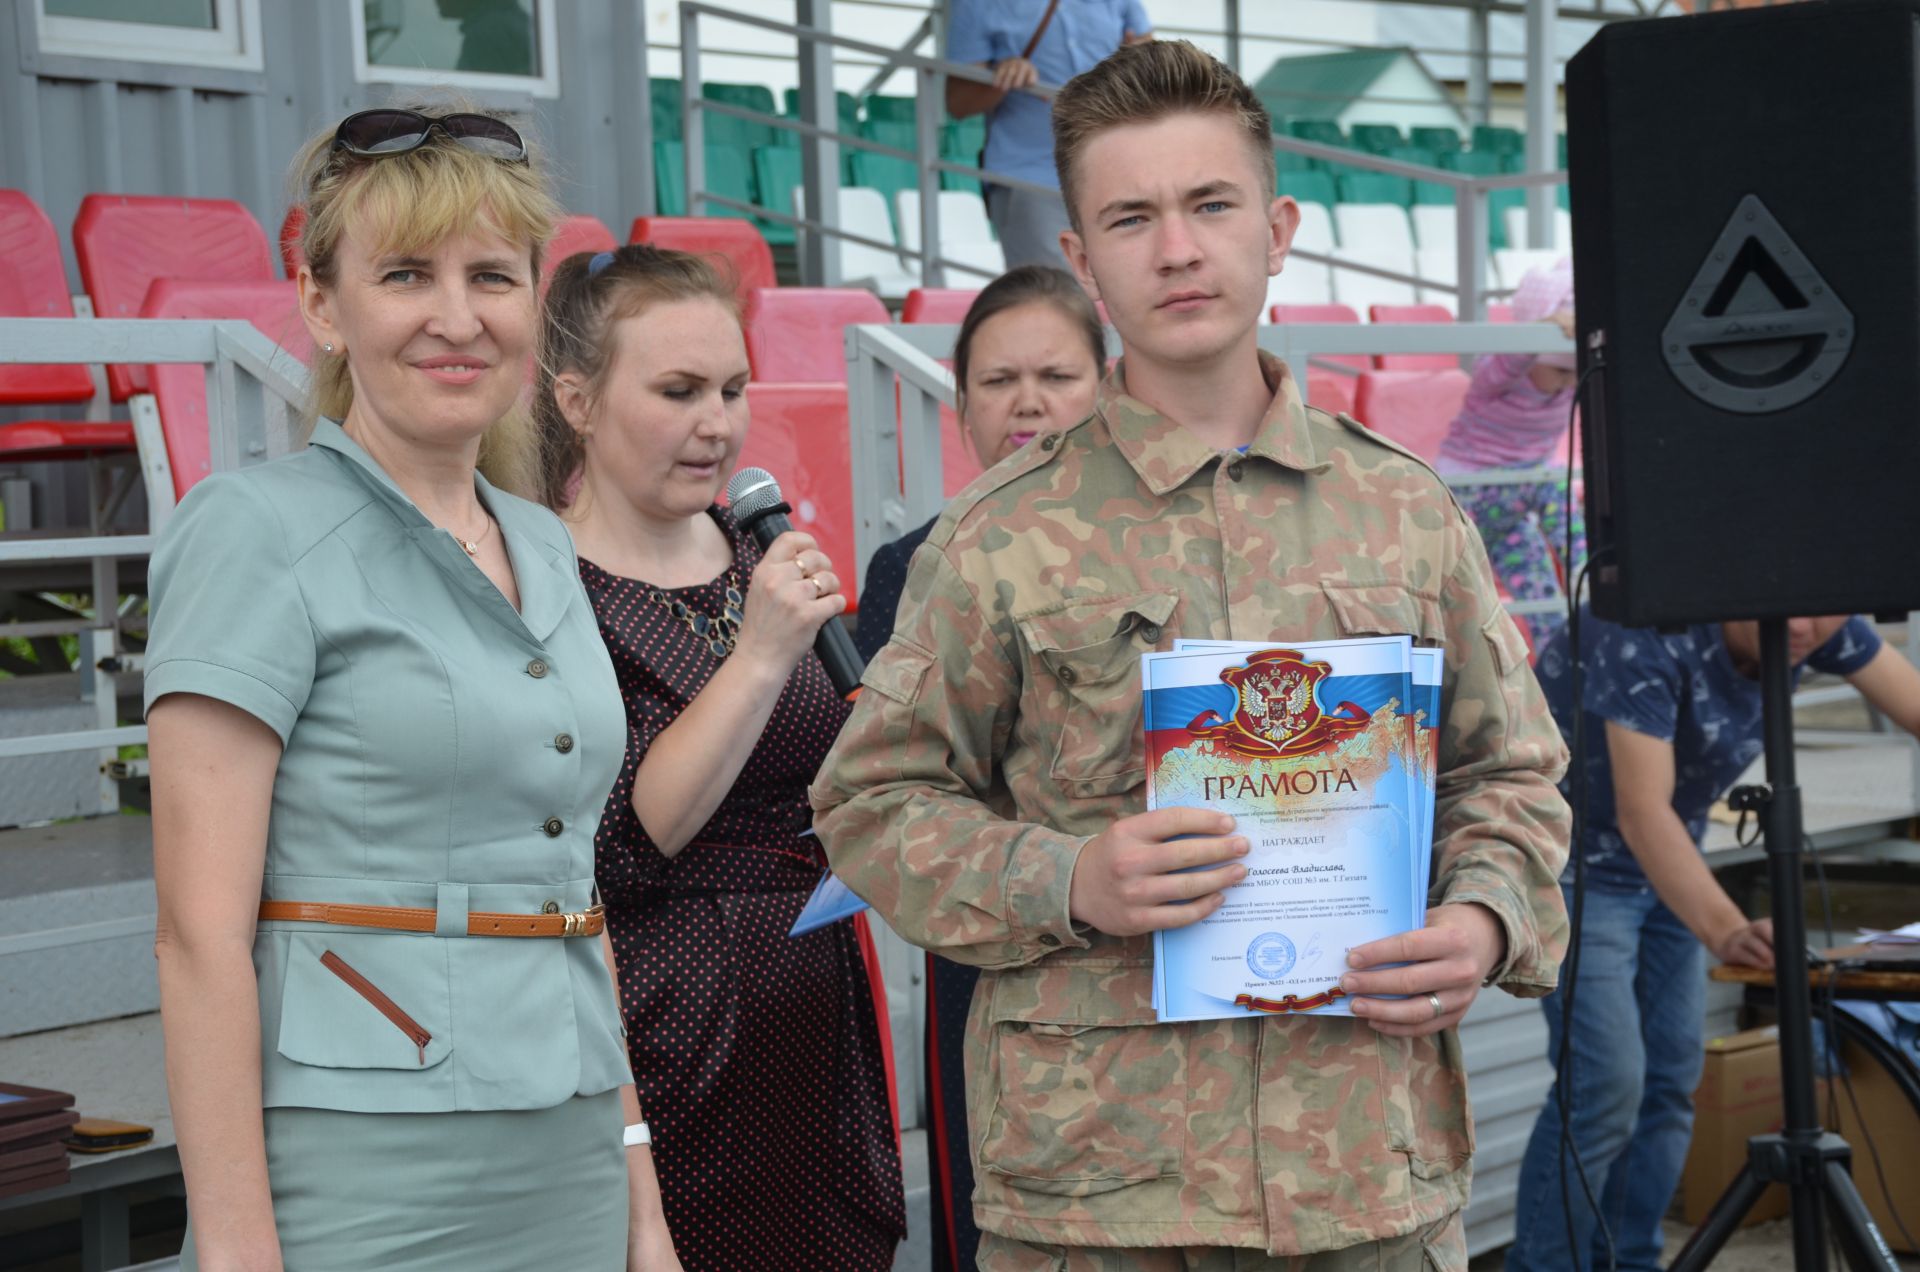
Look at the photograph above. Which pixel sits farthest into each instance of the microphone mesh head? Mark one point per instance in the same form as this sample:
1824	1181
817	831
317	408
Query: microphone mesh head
752	492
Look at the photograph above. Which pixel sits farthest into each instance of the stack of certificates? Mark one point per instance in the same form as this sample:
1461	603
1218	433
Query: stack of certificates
1324	754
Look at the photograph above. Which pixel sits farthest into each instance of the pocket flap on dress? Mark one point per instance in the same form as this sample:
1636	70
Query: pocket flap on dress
336	1020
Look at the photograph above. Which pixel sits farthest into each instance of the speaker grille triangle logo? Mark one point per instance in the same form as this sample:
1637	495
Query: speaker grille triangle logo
1759	330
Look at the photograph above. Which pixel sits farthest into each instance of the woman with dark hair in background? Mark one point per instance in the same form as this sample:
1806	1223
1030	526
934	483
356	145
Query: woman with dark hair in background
761	1055
1028	359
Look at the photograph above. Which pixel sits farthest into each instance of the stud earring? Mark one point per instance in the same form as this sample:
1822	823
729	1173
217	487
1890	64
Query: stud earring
328	348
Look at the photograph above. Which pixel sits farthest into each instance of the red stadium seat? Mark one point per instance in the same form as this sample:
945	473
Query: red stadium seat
124	242
737	242
577	232
1414	361
799	433
794	334
1499	312
1328	389
180	389
1413	408
33	285
937	304
291	227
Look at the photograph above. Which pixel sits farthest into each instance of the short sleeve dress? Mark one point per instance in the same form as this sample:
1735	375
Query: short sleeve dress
442	752
760	1059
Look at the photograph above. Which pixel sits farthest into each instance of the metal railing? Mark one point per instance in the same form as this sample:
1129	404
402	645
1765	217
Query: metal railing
897	388
249	380
897	479
821	142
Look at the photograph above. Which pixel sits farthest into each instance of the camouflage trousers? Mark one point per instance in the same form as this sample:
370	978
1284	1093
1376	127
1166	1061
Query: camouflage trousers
1441	1248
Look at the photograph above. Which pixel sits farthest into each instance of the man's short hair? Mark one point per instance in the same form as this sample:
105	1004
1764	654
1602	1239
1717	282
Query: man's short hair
1142	83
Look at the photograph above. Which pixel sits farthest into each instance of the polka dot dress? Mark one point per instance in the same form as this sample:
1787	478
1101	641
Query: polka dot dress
757	1056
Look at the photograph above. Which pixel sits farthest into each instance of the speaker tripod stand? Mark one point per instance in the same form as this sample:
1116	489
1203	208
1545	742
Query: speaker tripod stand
1814	1164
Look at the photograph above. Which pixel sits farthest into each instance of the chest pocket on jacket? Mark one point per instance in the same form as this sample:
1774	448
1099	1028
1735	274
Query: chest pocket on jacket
1384	609
1085	681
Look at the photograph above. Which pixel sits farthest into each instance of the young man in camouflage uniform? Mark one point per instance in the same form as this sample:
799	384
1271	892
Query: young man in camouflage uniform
986	795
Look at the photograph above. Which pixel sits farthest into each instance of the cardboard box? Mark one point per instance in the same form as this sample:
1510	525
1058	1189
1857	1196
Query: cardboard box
1738	1097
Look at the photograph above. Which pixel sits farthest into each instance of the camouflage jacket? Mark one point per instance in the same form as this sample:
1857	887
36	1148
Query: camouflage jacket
1001	729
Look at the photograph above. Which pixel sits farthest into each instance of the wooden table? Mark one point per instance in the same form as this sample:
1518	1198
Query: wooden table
1876	984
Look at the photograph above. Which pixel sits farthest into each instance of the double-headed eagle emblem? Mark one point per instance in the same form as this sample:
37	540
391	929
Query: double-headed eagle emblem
1278	715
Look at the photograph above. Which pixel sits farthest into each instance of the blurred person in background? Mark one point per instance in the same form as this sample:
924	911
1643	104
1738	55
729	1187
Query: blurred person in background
1026	42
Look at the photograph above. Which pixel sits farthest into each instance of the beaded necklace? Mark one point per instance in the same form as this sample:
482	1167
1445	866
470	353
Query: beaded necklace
722	631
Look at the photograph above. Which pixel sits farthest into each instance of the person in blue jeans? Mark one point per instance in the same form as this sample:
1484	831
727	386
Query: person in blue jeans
1670	721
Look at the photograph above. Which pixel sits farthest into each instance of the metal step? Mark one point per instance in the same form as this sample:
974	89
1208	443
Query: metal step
76	923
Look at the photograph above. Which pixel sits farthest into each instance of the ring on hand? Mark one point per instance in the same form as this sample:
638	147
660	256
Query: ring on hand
819	588
1438	1010
801	566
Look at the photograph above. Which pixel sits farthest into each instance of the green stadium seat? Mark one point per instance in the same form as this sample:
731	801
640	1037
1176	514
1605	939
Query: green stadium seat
1498	201
964	136
1378	138
1292	161
776	174
665	97
848	104
1413	154
1324	131
881	106
725	130
728	175
1474	163
1563	196
891	132
887	175
1498	137
961	141
1375	187
1432	192
1309	187
1438	140
1513	161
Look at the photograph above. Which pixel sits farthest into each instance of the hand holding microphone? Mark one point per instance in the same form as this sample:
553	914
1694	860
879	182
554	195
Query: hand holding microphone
794	594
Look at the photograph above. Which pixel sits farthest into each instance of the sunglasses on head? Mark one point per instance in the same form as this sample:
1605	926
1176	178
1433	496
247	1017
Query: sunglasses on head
378	134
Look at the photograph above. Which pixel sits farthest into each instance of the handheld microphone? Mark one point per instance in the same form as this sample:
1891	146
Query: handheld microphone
754	496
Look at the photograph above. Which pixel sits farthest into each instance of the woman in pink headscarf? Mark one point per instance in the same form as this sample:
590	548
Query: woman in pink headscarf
1515	413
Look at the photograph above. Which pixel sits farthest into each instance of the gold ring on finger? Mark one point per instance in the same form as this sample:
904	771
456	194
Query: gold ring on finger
819	588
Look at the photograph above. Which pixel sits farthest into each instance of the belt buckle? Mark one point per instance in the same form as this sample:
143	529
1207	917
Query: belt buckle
575	922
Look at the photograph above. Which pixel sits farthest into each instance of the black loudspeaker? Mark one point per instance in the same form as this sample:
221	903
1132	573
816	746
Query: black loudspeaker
1746	212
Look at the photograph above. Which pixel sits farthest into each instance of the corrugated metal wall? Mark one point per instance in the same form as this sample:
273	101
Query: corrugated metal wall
71	126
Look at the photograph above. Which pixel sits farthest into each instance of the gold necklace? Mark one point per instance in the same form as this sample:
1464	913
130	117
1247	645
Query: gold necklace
472	546
721	633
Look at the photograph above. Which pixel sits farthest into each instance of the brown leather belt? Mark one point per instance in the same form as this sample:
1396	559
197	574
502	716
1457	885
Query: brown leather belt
394	918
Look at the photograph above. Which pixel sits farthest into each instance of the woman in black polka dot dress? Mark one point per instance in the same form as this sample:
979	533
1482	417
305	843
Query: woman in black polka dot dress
759	1057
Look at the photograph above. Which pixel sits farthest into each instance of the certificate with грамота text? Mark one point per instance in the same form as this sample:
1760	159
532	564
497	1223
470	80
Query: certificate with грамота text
1309	747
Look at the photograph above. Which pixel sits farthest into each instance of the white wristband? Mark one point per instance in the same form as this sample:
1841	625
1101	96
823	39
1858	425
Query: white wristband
636	1135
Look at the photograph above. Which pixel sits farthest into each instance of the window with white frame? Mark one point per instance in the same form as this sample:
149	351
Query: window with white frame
216	33
477	44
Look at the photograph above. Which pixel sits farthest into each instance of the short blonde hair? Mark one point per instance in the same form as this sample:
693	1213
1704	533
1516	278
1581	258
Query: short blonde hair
406	203
1142	83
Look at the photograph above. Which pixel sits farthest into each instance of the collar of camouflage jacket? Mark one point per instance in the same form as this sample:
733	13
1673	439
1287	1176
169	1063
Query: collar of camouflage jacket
1166	453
